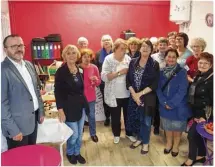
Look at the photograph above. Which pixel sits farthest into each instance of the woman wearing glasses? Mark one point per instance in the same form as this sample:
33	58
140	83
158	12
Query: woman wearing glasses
200	97
142	80
181	43
71	102
114	70
198	45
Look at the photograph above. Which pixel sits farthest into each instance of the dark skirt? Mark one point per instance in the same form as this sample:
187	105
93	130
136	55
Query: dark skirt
133	117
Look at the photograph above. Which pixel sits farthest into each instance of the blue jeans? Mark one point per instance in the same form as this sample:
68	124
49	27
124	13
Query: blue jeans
145	128
75	141
91	118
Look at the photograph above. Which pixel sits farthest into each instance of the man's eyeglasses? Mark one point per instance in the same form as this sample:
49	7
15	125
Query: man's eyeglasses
15	47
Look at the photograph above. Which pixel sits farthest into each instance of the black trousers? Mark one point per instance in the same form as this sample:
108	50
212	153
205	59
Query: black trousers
116	116
27	140
196	143
106	107
156	121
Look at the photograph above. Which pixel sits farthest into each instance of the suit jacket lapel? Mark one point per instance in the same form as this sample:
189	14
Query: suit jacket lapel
31	74
16	72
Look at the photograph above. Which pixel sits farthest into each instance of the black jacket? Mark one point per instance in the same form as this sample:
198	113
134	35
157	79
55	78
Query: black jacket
203	95
150	98
69	96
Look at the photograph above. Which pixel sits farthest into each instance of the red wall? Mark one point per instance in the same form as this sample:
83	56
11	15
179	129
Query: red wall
91	19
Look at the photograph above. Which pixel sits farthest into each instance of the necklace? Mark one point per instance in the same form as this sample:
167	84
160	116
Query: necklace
74	72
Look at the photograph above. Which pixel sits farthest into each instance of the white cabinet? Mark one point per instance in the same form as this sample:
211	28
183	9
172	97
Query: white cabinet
180	11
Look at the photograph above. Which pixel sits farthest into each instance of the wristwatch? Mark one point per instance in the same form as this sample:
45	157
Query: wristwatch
118	74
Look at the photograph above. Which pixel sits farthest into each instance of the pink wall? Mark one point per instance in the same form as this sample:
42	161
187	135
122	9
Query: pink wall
89	19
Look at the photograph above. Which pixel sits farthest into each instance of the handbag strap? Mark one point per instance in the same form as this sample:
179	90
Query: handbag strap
177	70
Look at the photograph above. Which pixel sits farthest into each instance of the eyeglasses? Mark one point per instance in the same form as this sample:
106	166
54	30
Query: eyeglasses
179	39
203	63
195	46
15	47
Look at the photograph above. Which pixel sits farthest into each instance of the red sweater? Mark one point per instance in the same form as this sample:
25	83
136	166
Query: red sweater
89	89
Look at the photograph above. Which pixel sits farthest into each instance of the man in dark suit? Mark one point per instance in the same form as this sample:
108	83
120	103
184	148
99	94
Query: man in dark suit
21	103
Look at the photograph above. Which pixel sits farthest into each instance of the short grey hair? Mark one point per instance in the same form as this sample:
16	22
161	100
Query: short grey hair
82	39
200	41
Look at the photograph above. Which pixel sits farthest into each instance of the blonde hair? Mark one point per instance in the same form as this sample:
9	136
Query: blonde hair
200	41
106	37
72	47
118	42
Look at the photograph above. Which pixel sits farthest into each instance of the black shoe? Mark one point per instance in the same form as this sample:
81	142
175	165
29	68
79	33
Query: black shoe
95	138
80	159
86	123
174	154
202	160
184	164
156	131
107	122
132	146
165	151
72	159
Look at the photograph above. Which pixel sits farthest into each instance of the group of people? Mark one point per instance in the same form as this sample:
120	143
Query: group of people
161	83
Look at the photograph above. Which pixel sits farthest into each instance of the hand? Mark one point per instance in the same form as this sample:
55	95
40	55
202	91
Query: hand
42	119
42	92
61	116
168	107
94	78
123	71
200	120
136	97
18	137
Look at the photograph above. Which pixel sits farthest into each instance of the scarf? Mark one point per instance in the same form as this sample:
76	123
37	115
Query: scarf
103	54
168	70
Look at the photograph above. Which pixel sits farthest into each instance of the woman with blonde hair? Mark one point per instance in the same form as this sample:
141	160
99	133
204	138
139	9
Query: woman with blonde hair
114	70
198	45
71	102
106	44
133	47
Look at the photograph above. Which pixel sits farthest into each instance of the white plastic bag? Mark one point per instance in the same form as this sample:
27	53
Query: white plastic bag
53	131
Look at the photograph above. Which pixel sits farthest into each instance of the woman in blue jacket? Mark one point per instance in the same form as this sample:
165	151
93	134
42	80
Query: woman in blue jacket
171	92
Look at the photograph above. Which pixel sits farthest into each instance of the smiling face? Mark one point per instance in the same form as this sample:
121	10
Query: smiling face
121	50
180	41
171	59
15	48
145	50
197	48
162	47
133	47
86	59
71	56
204	65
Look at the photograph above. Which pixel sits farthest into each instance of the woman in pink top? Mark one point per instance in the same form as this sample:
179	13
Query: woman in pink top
91	80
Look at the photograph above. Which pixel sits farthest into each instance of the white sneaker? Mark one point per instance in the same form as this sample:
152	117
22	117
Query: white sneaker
131	138
116	140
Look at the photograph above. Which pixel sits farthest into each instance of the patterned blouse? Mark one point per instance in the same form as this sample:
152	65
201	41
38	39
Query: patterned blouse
138	76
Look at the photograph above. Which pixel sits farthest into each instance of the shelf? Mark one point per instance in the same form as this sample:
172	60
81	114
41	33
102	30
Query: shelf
46	59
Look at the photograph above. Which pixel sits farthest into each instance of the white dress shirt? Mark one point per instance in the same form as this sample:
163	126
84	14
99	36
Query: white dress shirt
28	80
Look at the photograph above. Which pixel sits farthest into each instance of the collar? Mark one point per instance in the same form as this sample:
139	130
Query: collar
15	63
